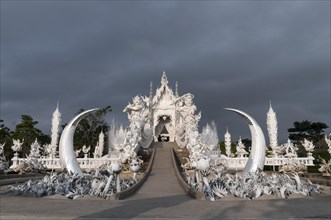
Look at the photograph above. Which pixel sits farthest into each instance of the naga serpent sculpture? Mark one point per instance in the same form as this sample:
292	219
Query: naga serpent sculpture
257	156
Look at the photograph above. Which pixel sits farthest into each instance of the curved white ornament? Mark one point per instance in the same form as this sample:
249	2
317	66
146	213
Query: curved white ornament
257	156
66	149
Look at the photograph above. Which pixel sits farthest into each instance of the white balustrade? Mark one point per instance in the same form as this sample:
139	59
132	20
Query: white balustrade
236	163
54	163
232	163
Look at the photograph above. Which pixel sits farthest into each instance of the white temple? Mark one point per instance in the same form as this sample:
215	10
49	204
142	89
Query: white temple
166	116
169	115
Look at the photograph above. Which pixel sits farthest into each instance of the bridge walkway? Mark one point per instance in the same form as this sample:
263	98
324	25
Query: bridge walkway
162	181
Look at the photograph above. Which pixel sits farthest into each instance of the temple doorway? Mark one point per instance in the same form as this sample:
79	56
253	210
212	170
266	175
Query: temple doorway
163	130
164	135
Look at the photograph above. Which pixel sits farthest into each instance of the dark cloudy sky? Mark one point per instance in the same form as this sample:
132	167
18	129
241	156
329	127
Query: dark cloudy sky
238	54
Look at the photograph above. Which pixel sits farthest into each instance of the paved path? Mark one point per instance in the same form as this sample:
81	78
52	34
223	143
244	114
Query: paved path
161	197
162	180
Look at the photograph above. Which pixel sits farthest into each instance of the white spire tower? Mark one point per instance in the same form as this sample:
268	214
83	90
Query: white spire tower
101	143
177	94
272	129
56	121
227	143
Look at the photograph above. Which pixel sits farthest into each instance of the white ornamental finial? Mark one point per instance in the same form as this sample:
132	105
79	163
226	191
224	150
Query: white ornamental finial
272	129
164	80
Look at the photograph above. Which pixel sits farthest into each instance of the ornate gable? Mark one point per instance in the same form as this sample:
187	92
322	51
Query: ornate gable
164	97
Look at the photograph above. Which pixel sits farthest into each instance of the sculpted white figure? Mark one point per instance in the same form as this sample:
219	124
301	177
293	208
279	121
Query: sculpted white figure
309	146
241	152
191	120
86	149
137	110
290	149
17	145
325	167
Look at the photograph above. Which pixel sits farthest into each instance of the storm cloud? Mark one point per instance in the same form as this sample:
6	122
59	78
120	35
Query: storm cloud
236	54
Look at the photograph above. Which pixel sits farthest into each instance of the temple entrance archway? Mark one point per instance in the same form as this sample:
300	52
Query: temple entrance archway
164	130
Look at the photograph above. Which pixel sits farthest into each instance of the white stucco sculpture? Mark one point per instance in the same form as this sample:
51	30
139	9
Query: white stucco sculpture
325	166
257	154
17	145
240	148
290	149
164	116
309	147
66	149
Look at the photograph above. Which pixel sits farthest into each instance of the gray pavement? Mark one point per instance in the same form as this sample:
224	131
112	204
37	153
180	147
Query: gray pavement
161	197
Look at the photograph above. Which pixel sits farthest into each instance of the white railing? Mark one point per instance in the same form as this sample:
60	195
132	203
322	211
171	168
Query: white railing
239	163
54	163
232	163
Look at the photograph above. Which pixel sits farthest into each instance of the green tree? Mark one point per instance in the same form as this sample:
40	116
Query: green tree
89	128
5	138
312	131
248	144
26	130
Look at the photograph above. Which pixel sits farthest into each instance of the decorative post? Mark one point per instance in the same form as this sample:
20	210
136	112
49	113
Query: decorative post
17	146
85	151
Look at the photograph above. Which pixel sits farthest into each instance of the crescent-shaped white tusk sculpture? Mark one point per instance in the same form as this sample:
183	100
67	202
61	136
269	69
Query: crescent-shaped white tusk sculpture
66	149
257	156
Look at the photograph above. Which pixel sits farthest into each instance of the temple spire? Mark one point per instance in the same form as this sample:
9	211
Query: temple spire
150	89
164	80
272	128
177	95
